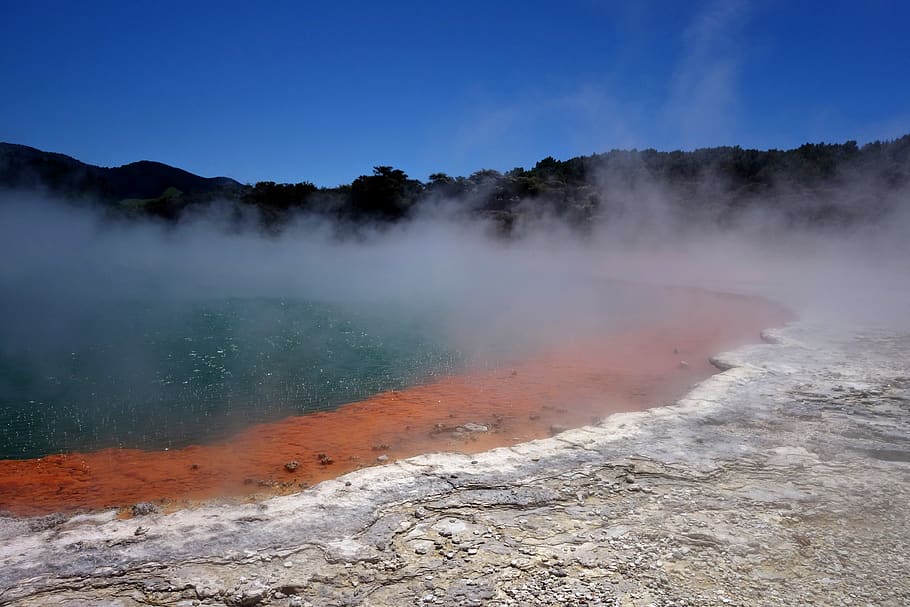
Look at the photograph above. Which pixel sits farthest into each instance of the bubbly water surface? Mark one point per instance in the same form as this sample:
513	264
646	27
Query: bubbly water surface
155	375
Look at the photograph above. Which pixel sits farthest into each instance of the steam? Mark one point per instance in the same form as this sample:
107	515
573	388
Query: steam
483	291
848	272
479	292
71	276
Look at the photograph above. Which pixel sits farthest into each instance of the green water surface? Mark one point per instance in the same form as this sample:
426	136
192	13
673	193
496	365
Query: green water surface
169	374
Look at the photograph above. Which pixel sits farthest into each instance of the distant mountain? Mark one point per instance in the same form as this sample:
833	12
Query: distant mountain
24	167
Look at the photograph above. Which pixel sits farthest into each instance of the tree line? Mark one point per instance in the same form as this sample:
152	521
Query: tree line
829	184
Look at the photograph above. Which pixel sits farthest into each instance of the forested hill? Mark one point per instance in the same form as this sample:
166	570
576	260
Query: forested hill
26	168
815	184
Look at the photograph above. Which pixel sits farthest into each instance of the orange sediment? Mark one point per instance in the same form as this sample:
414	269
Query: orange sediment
568	385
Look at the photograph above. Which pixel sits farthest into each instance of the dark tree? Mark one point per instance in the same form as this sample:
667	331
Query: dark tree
387	194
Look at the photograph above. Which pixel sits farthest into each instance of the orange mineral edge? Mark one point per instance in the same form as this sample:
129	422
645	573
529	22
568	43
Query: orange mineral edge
567	385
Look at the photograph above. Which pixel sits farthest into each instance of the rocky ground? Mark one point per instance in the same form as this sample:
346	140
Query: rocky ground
784	480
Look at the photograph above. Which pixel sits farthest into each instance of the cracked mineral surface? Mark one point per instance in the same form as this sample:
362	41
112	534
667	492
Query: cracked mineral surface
784	480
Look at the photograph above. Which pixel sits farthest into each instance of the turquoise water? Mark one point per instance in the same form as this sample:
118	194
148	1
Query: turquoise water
169	374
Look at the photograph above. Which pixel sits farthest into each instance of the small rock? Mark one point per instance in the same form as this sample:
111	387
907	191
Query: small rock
253	595
472	427
144	508
291	465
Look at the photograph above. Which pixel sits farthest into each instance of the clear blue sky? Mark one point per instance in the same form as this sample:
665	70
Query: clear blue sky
323	91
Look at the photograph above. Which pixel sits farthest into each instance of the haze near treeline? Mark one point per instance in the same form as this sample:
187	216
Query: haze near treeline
491	254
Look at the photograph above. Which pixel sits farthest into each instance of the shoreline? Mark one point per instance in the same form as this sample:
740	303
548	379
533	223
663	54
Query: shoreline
564	387
781	480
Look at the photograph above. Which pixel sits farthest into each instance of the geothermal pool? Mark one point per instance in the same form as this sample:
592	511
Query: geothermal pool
168	374
186	401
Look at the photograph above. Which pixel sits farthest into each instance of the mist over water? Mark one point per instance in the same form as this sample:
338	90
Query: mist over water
145	335
141	334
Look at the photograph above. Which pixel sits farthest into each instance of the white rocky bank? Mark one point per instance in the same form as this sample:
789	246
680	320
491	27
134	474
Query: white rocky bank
784	480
